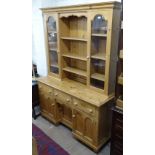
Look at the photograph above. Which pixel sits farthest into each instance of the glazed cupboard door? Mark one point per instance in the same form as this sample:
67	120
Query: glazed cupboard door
52	48
98	49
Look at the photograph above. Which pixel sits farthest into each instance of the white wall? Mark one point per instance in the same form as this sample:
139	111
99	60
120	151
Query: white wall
38	48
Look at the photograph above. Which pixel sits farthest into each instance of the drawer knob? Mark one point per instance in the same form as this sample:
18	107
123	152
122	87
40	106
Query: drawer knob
40	86
90	110
53	104
73	116
67	100
75	103
56	94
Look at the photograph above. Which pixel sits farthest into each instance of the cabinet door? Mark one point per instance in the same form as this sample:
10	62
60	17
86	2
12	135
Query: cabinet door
100	27
44	99
64	114
83	125
51	108
78	123
51	32
89	127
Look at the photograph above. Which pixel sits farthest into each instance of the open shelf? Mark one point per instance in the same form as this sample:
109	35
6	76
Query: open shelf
75	71
99	35
74	38
74	56
98	76
121	54
99	55
120	79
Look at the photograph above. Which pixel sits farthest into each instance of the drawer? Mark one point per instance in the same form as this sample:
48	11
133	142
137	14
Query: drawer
84	106
45	89
62	98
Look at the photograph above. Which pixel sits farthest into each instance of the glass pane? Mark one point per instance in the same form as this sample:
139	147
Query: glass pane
52	38
54	62
51	23
97	73
97	66
99	25
98	47
54	70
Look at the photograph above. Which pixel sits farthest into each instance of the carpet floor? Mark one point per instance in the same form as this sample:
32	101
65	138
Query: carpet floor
45	145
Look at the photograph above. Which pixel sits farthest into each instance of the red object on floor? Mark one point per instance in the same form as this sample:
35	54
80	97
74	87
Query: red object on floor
45	145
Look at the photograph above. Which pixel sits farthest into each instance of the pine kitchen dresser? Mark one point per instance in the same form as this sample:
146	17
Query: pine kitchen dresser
81	49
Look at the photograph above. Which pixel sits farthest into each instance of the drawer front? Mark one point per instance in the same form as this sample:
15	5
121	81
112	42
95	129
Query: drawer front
46	89
84	106
62	98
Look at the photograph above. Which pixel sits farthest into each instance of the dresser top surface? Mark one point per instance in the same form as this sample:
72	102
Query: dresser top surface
77	90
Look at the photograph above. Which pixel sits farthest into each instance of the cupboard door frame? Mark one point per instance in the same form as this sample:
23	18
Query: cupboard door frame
62	115
55	16
90	137
108	17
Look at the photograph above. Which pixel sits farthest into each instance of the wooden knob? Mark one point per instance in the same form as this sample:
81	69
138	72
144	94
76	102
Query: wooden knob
56	94
90	110
75	103
40	86
53	104
67	100
73	116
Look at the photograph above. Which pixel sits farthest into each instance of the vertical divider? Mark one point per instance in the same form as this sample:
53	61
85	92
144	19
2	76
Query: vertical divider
58	47
45	18
88	46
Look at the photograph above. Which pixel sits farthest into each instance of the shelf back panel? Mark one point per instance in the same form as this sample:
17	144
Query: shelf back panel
74	26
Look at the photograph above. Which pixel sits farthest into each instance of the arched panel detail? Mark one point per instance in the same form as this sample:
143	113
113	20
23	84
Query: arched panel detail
99	24
51	24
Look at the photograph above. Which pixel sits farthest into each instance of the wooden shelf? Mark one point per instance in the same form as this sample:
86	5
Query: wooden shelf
121	54
74	38
119	103
52	42
74	56
120	79
98	76
53	49
75	71
55	65
99	55
51	31
99	35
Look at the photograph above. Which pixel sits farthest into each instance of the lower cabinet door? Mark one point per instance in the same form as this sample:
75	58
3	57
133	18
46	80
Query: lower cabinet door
43	102
83	125
64	114
51	108
78	123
